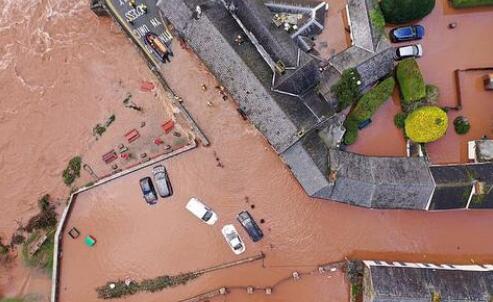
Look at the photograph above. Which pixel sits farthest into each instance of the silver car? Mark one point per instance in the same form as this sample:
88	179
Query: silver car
409	51
161	179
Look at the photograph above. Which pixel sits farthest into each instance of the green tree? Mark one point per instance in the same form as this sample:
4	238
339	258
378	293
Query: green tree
403	11
347	89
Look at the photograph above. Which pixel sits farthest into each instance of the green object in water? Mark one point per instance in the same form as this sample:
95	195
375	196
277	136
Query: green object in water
90	241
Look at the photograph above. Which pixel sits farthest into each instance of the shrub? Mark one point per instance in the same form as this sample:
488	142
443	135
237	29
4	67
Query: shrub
372	100
400	119
46	217
43	258
350	136
432	94
4	250
403	11
377	20
461	125
347	89
470	3
72	171
411	83
426	124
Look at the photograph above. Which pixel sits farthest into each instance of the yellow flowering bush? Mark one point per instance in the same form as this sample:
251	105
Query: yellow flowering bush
426	124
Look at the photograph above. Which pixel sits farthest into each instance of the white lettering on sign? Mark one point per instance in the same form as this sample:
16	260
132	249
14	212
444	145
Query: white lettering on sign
122	2
155	22
135	13
142	30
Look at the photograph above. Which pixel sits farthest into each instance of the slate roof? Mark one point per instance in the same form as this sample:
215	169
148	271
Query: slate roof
380	182
455	181
383	283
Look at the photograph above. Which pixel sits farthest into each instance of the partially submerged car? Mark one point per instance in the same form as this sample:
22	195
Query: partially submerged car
201	211
161	179
250	226
160	48
409	51
233	239
407	33
148	190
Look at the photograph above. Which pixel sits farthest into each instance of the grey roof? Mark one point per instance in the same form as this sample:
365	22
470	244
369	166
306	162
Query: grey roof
257	18
360	24
380	182
484	150
454	182
414	284
244	73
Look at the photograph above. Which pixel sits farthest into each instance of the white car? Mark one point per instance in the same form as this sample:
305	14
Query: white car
233	239
201	211
409	51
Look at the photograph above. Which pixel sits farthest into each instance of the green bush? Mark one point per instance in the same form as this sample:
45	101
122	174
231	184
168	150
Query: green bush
461	125
372	100
350	136
426	124
470	3
403	11
46	218
432	93
347	89
72	171
411	83
43	258
400	119
377	20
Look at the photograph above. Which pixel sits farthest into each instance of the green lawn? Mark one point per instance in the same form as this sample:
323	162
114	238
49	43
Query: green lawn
470	3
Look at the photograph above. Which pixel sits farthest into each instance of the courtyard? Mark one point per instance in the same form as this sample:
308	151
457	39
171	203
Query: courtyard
445	50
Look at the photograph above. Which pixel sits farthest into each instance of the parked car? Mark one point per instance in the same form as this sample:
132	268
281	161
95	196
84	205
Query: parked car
488	81
409	51
148	190
160	48
161	179
250	226
233	239
407	33
201	211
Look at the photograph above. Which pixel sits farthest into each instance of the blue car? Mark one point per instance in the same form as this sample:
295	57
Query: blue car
407	33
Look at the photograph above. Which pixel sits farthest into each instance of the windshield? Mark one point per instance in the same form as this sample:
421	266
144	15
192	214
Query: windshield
408	31
207	216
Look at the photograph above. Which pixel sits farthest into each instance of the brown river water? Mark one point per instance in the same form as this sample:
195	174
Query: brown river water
59	64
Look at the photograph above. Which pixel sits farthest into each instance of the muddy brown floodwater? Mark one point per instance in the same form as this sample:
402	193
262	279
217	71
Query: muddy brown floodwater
57	56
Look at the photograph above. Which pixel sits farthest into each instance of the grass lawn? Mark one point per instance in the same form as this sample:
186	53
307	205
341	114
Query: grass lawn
470	3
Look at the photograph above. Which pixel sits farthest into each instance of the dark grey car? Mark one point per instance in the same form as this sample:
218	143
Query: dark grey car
161	179
250	226
148	190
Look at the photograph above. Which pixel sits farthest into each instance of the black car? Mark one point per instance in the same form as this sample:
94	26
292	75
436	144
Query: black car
407	33
148	190
250	226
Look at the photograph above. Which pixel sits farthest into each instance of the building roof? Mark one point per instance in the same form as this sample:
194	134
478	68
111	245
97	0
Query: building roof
484	150
419	282
380	182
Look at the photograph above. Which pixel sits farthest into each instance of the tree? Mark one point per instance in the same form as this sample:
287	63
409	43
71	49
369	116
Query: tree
403	11
347	89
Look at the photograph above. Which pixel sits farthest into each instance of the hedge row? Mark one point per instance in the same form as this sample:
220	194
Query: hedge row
366	107
411	82
470	3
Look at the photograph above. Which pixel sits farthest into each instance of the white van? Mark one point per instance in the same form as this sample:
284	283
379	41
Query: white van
200	210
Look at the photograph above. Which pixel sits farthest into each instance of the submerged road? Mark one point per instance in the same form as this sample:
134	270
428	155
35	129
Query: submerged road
240	171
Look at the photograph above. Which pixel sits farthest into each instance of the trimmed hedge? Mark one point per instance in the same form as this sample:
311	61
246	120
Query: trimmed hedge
470	3
371	101
377	19
404	11
347	89
366	107
411	82
426	124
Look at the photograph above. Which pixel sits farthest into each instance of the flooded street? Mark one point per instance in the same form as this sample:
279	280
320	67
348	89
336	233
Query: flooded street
67	70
